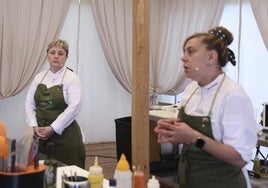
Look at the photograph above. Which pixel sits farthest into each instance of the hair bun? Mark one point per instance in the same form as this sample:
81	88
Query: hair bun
223	34
227	38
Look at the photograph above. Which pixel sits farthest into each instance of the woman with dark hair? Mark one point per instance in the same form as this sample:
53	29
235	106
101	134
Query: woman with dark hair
216	122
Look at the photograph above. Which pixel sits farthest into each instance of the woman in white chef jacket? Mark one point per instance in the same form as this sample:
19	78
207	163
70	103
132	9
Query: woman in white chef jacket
216	122
53	102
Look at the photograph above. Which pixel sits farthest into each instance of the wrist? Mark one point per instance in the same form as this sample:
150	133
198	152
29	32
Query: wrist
200	142
195	136
51	129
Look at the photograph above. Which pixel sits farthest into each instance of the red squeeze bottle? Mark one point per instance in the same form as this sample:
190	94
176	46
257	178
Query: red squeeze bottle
138	178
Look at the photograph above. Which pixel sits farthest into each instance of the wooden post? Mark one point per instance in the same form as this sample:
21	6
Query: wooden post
140	85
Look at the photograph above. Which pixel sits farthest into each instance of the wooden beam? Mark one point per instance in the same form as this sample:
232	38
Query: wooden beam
140	85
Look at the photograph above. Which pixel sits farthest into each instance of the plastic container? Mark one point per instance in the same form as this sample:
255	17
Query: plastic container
138	178
50	175
95	176
75	182
257	165
153	183
123	174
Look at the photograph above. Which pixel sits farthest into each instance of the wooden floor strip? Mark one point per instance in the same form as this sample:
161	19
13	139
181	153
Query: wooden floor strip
107	157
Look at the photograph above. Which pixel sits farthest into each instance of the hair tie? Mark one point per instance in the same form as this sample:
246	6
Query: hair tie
231	57
220	35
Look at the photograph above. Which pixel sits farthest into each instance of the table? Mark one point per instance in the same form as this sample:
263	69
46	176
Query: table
262	141
69	170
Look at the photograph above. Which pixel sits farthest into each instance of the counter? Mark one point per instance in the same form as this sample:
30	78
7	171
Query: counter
69	170
263	138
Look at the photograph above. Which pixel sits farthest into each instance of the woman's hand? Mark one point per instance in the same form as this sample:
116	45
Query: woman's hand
43	132
37	131
175	131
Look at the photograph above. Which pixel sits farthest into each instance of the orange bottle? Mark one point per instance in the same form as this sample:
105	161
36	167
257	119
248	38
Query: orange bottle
138	178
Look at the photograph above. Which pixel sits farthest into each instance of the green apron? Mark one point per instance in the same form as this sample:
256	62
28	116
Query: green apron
199	169
69	145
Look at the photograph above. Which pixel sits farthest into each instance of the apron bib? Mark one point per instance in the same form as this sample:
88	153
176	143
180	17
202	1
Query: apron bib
199	169
69	146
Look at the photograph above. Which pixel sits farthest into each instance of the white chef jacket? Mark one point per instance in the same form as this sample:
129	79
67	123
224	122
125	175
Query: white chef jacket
72	92
232	115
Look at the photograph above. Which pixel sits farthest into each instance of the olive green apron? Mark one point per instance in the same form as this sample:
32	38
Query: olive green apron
69	145
199	169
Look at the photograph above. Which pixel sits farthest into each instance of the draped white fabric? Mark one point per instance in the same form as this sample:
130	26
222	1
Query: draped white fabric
113	21
260	11
171	22
26	28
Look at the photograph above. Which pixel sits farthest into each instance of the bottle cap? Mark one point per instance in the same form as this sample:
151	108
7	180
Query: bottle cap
112	182
95	169
138	171
123	164
153	182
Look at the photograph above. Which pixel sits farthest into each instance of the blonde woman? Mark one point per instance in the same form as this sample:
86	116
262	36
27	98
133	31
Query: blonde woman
52	104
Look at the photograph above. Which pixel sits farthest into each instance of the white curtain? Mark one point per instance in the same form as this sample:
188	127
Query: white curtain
171	22
113	21
260	11
26	28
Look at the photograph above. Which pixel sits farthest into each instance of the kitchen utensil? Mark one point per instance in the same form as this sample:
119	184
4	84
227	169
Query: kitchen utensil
75	182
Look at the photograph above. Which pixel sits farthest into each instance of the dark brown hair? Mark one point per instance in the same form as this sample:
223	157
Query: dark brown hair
217	39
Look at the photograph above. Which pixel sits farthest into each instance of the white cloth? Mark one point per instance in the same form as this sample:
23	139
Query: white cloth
72	91
232	115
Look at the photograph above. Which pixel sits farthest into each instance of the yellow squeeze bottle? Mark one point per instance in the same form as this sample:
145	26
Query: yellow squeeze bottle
122	173
95	176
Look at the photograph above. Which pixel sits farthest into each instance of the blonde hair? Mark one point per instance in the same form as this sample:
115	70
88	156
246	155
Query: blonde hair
59	43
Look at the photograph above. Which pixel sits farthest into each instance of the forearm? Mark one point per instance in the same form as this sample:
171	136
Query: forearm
223	152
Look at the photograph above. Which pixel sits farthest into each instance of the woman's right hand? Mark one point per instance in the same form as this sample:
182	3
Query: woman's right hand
165	129
37	131
175	131
43	133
